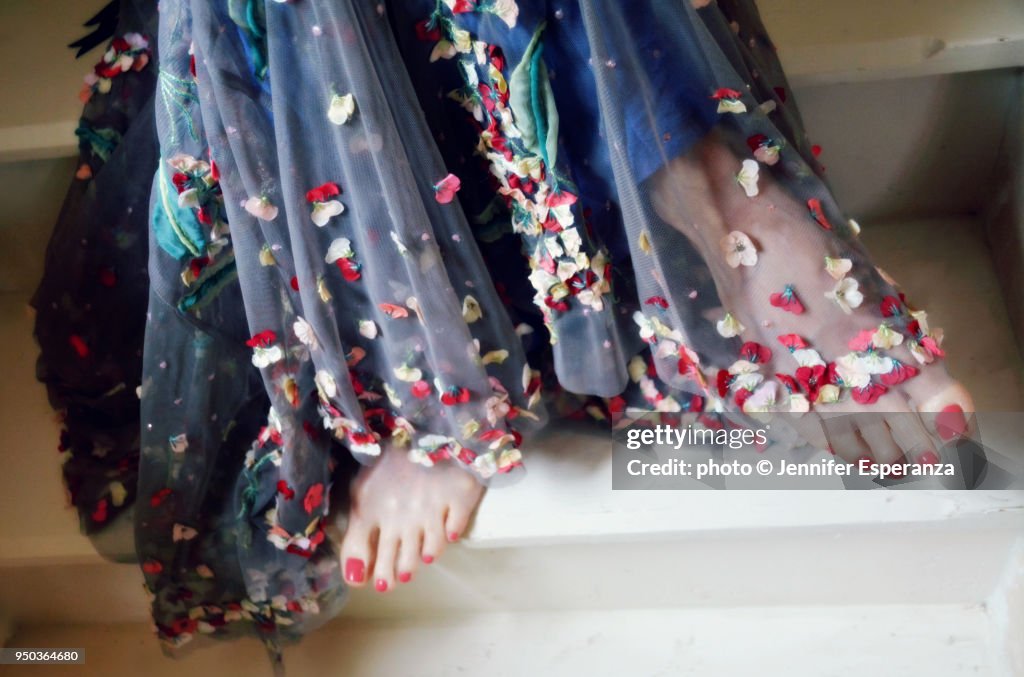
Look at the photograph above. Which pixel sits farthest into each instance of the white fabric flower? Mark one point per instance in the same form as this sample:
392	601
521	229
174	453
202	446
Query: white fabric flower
729	326
748	176
325	211
368	329
738	250
326	384
846	294
304	332
264	357
886	338
261	208
341	108
471	311
340	248
838	268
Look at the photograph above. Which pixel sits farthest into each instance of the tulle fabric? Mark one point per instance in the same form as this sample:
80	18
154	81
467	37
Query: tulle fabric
376	227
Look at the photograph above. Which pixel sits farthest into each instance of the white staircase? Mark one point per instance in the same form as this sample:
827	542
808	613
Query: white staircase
559	574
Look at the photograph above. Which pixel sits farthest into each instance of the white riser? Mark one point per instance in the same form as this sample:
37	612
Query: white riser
903	641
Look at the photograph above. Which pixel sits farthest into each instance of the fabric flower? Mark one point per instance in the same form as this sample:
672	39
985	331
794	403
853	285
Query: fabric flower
304	332
506	10
838	268
729	326
818	214
748	176
764	149
445	189
846	294
341	108
739	250
471	311
324	208
368	329
729	101
787	300
261	208
314	497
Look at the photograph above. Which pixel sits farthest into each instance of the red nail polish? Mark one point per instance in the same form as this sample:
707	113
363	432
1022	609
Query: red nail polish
452	537
404	577
355	570
951	422
427	559
381	585
928	458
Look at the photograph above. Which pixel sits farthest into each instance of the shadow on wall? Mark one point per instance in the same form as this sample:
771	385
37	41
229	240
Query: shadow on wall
916	147
1004	218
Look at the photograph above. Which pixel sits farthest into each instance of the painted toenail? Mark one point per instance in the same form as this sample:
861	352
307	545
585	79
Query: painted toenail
355	570
928	458
452	537
951	422
404	577
427	559
381	585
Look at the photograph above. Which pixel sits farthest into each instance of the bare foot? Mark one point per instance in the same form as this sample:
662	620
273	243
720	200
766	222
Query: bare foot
402	513
908	402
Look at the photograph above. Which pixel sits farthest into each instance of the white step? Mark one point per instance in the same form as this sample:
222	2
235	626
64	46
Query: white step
896	641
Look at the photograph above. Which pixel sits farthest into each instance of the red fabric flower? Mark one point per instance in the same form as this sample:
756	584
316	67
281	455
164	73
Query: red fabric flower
455	396
787	300
755	352
726	93
793	342
723	381
79	345
100	513
314	497
900	373
891	306
159	497
264	339
814	205
420	389
426	32
285	490
152	567
350	270
323	193
868	394
657	301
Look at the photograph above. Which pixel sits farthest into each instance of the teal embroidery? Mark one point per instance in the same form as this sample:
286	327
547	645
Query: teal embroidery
215	277
250	17
178	231
178	96
101	142
532	101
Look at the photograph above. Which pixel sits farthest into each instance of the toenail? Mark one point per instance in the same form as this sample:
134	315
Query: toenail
355	570
928	458
381	585
951	422
427	559
404	577
452	537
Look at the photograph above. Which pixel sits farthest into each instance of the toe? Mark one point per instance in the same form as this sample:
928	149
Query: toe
356	552
384	566
433	542
409	552
909	433
843	438
947	413
456	521
878	438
